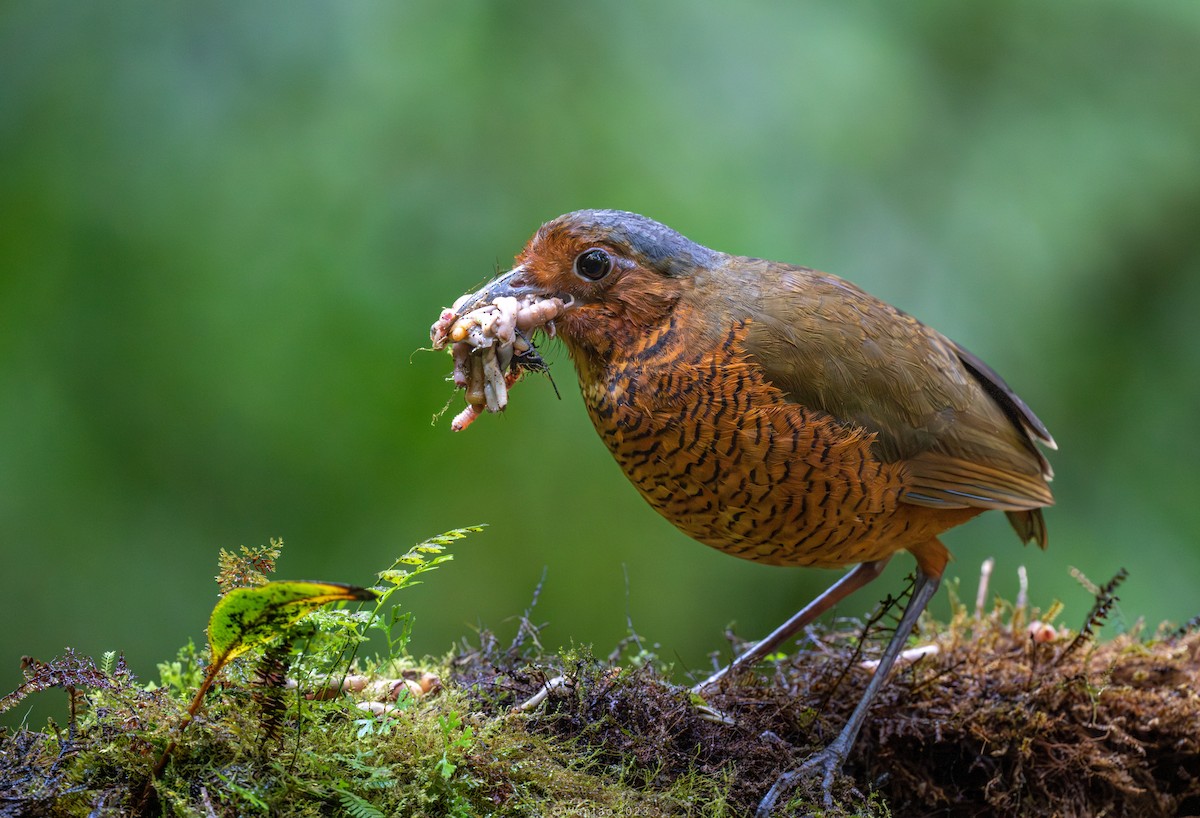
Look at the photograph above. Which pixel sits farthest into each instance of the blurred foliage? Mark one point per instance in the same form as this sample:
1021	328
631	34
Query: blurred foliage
225	229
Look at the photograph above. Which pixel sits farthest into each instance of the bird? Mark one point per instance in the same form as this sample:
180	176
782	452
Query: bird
782	415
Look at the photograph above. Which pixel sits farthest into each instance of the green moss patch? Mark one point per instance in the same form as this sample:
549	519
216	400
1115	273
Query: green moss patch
1003	719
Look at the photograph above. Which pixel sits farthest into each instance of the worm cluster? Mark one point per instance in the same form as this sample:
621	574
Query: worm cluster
491	347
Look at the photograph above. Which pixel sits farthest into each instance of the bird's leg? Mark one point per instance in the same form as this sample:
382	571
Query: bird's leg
834	594
827	762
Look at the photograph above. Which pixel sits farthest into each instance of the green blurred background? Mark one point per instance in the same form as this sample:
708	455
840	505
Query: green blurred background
226	227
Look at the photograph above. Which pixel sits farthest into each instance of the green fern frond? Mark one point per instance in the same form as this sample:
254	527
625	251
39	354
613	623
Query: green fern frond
358	807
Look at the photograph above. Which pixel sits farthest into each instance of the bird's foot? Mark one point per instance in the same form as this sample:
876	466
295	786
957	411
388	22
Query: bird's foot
824	766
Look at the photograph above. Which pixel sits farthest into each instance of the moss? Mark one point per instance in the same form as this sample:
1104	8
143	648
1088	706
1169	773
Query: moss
995	723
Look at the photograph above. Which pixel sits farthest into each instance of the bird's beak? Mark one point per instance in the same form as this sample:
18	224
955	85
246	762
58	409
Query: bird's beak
514	284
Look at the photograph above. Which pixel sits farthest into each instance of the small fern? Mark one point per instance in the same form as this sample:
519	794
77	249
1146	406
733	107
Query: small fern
358	807
268	690
1106	598
249	568
405	572
1183	630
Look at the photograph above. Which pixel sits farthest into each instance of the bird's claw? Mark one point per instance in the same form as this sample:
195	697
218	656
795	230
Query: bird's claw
826	763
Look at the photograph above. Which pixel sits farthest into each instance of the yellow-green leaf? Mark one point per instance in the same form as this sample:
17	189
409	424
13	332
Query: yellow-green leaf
246	617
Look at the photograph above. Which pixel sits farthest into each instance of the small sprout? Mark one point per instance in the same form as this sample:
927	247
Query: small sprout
985	576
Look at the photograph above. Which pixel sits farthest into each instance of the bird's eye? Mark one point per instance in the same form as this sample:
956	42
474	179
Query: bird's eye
593	264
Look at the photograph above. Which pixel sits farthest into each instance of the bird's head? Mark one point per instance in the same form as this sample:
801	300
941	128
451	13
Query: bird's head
621	274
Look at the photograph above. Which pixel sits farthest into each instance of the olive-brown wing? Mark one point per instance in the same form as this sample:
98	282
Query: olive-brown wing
965	438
